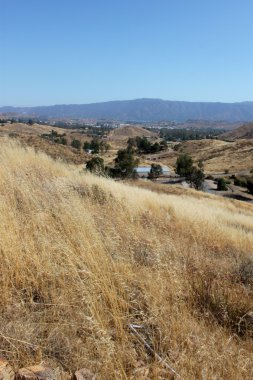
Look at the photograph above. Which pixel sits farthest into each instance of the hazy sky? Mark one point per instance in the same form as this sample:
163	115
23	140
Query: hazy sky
82	51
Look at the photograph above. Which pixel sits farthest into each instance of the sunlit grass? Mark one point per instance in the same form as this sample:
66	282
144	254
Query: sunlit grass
82	257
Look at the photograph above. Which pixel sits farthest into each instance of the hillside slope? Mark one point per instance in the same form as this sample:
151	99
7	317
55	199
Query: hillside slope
243	132
217	155
84	257
118	137
31	135
131	131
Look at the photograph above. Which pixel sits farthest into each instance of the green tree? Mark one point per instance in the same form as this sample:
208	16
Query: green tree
76	144
163	145
95	146
86	145
184	165
143	145
63	141
196	178
221	184
155	171
154	148
96	165
125	163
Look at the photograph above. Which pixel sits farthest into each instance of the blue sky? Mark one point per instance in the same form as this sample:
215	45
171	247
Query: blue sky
83	51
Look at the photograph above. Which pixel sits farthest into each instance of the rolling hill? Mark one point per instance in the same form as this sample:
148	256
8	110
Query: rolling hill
218	156
131	131
143	110
118	137
243	132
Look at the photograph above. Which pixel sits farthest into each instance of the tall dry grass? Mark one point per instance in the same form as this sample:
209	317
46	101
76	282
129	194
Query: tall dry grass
82	257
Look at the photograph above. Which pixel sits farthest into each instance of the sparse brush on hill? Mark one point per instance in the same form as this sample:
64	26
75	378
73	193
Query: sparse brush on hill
84	258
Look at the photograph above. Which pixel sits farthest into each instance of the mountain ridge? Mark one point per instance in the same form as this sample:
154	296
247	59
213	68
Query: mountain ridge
145	110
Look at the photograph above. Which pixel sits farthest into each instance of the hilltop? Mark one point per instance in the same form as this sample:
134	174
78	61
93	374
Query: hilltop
242	132
131	131
84	257
118	137
142	110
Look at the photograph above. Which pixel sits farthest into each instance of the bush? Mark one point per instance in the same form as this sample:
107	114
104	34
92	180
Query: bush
210	177
221	184
86	145
184	165
76	144
155	171
250	185
96	165
125	164
242	182
63	141
196	178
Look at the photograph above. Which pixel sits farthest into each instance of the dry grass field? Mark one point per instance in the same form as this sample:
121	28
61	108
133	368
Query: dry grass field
83	257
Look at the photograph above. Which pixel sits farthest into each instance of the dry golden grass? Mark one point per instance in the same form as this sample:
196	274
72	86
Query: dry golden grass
118	137
56	151
82	257
217	155
31	135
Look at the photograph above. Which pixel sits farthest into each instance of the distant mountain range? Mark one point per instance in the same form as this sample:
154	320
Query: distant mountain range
141	110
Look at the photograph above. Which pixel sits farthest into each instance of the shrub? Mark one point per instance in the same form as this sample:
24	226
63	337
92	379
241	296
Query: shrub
221	184
63	141
76	144
184	165
125	164
86	145
96	165
250	185
240	182
155	171
196	178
